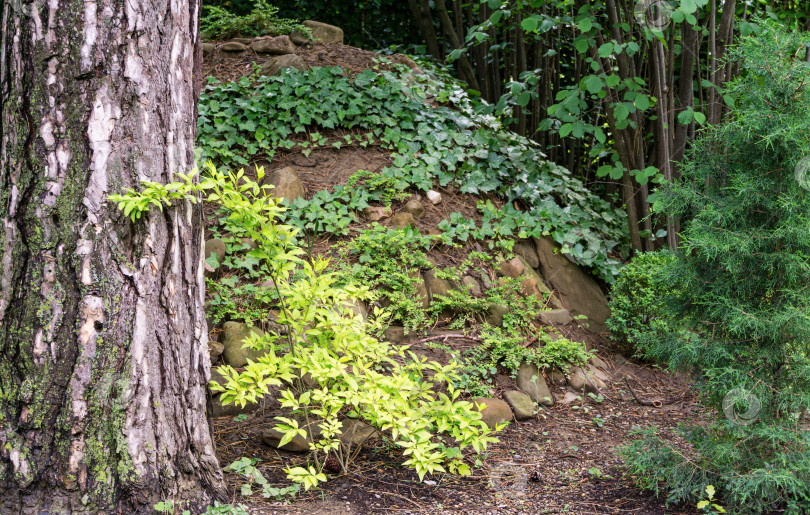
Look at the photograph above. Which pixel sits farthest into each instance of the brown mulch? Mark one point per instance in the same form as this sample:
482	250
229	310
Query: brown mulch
229	66
559	462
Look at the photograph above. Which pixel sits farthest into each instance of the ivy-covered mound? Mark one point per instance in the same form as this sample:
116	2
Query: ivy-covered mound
436	134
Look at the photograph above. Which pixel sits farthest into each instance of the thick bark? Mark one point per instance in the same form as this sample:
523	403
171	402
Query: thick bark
103	348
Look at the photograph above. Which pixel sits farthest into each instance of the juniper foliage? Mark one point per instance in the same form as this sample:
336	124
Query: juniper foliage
744	268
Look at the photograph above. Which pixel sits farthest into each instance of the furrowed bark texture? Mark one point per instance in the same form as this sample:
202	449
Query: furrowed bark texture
103	347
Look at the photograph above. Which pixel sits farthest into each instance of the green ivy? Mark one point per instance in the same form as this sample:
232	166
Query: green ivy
449	143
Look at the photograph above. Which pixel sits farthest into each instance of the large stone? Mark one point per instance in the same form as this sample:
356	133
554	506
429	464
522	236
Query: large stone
233	336
280	45
493	411
522	405
436	285
273	436
275	65
578	291
559	316
530	380
402	220
526	250
233	46
286	182
415	208
325	33
599	362
244	41
208	48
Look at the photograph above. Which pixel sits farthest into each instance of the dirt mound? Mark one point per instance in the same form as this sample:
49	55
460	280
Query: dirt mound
230	66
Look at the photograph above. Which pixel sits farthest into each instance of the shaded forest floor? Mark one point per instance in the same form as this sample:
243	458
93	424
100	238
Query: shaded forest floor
559	462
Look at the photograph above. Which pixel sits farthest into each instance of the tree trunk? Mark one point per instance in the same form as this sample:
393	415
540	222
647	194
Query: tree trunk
103	344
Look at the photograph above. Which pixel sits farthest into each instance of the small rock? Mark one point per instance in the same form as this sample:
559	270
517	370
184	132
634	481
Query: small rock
579	381
356	432
407	61
557	377
472	285
530	380
434	197
217	377
619	359
275	65
522	405
286	182
299	38
325	33
569	398
357	307
272	437
415	208
215	350
248	244
526	250
559	316
519	265
433	231
598	362
495	314
233	336
268	285
234	46
376	213
495	412
215	246
208	48
280	45
421	289
403	220
395	334
230	410
599	374
507	269
435	285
